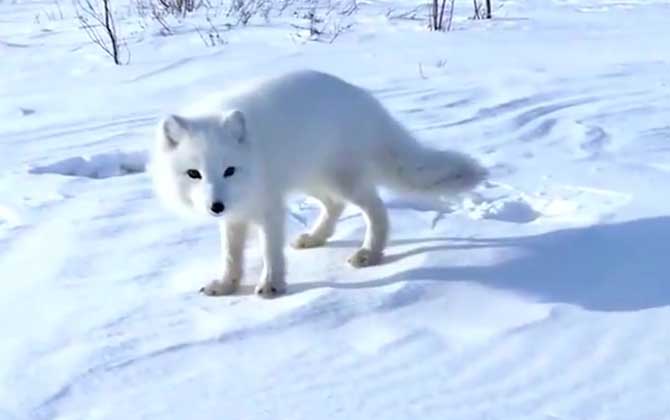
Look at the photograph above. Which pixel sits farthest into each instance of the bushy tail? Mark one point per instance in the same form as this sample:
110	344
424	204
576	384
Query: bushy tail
407	166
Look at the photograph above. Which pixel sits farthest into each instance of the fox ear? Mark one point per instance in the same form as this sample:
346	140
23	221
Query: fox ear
173	129
234	123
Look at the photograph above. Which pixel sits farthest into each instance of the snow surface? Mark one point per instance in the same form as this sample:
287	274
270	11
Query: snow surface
544	296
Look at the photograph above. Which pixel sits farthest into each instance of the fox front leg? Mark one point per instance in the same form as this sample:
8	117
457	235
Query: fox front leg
233	238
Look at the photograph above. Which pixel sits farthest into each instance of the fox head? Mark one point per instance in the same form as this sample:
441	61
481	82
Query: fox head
203	164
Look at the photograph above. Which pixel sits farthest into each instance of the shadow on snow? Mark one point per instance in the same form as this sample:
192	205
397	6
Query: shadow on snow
612	267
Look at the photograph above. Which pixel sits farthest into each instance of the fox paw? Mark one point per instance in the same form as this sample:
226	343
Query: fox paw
221	287
364	258
307	241
270	290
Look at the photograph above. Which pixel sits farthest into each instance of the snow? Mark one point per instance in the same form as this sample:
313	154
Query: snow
105	165
544	295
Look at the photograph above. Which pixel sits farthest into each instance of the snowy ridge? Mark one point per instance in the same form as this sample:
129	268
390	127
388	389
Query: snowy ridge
544	295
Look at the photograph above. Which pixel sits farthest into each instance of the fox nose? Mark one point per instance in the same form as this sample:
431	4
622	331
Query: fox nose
217	207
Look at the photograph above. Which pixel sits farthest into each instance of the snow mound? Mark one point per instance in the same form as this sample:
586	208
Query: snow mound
100	166
513	210
8	217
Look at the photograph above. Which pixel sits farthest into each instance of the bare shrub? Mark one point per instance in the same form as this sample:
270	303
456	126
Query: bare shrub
324	22
159	15
314	20
242	11
59	11
49	14
482	9
211	36
437	22
178	7
97	20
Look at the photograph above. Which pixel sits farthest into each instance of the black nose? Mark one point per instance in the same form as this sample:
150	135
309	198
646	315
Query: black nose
217	207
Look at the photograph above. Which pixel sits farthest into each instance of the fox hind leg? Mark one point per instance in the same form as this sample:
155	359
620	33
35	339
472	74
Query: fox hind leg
353	187
377	226
324	227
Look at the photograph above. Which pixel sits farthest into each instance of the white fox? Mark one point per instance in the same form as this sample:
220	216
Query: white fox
237	159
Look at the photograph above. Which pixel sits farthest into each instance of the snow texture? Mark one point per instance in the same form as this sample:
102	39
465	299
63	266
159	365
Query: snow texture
545	295
100	166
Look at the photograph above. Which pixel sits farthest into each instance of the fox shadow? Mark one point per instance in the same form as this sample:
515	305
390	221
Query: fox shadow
610	267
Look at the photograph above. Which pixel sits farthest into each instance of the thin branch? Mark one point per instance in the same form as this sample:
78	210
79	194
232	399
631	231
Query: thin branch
87	13
444	2
451	15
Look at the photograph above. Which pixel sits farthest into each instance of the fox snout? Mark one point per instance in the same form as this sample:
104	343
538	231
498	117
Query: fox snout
217	208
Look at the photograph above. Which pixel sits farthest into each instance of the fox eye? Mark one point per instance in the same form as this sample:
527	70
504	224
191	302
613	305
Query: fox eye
193	173
230	171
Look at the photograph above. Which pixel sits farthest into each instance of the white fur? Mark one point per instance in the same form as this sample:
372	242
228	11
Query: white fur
303	132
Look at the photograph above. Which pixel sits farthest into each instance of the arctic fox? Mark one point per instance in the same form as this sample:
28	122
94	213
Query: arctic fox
309	132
